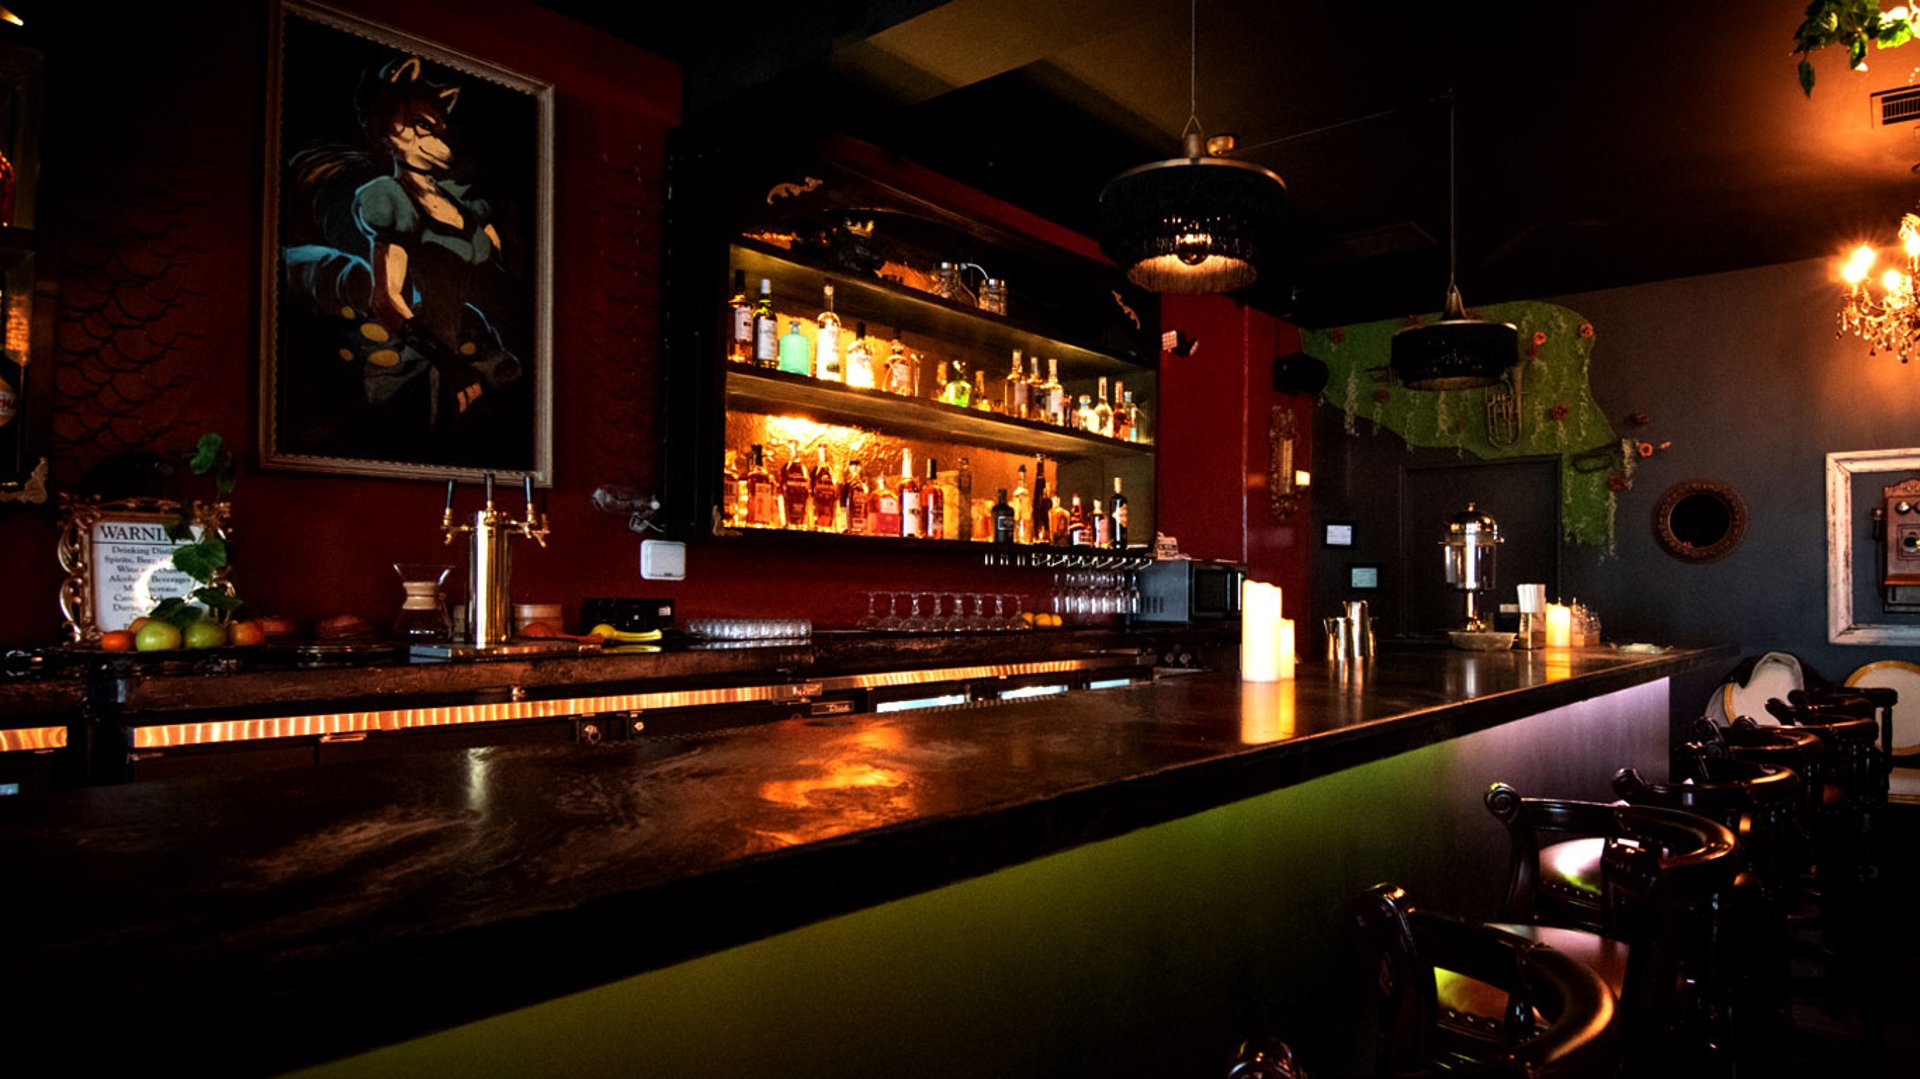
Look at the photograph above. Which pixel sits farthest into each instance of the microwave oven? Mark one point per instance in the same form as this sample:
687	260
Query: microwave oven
1189	590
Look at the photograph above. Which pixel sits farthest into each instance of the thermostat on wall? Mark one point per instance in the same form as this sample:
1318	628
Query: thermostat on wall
663	560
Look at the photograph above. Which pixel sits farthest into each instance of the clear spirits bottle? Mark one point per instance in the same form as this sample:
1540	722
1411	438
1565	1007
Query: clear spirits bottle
766	328
1013	390
827	363
1119	516
826	494
860	359
1056	395
1136	419
913	517
1022	509
740	346
1102	423
1083	415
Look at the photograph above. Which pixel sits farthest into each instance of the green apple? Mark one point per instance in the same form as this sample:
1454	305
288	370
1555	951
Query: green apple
204	634
157	636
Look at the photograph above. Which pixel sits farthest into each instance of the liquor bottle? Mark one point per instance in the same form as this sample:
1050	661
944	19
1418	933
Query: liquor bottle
796	489
899	370
963	494
1102	412
1137	419
763	498
1057	524
883	509
1083	415
1002	519
730	487
953	511
826	494
1042	528
933	502
1122	412
1013	390
766	328
1102	537
1036	392
1022	509
860	359
740	348
957	391
913	516
827	364
853	496
981	400
796	352
1079	532
1056	395
1119	517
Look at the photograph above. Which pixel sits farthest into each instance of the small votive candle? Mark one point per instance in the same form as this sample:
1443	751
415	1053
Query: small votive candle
1559	625
1259	632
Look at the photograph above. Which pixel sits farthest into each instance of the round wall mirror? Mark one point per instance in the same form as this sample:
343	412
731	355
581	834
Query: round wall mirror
1699	520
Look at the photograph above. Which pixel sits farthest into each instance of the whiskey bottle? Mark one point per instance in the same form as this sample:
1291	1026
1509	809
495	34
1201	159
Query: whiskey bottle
763	498
1057	524
827	363
1022	509
1056	395
913	517
1102	412
933	502
1042	528
1036	393
1102	537
1122	413
860	359
899	369
1118	524
740	346
730	488
795	488
963	494
883	509
826	494
1002	519
1013	390
953	511
853	499
1079	531
981	401
766	328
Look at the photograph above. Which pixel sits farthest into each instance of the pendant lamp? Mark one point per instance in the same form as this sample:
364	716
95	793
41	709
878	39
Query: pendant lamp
1195	223
1457	352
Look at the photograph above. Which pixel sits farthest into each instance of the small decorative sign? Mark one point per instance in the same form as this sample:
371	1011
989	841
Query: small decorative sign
119	560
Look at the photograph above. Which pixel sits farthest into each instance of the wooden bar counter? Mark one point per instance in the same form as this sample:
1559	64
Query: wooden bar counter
1125	879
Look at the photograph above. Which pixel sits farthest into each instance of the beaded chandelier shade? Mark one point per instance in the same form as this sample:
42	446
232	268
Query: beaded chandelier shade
1192	224
1888	319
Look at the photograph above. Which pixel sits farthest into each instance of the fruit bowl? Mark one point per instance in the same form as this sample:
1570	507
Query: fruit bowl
1474	640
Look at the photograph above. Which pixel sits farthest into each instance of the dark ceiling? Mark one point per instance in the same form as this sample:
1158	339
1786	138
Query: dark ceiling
1600	144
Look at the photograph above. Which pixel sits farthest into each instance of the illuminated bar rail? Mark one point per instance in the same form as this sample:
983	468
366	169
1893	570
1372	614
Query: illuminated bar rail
348	724
32	739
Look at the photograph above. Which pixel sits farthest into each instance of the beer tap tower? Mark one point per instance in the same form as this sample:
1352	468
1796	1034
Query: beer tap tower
490	562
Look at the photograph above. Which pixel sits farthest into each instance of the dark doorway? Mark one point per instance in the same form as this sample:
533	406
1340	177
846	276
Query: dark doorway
1522	494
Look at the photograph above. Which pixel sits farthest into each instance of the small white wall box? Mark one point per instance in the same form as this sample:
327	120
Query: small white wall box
663	560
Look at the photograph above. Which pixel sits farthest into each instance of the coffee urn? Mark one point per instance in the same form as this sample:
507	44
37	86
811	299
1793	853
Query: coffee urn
1473	539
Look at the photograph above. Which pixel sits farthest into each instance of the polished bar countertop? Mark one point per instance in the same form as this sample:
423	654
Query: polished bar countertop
260	922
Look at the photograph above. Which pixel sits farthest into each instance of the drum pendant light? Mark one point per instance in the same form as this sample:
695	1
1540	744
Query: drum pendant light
1196	223
1457	352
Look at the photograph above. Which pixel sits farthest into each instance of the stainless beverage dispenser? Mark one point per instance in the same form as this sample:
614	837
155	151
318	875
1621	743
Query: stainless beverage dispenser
1473	539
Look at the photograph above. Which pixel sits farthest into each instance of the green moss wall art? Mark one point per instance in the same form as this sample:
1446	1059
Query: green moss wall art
1556	413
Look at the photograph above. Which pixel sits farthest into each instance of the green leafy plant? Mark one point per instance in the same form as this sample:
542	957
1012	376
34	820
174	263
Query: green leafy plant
203	559
1854	24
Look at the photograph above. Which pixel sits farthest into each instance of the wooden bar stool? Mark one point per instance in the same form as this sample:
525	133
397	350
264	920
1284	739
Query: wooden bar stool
1654	928
1460	997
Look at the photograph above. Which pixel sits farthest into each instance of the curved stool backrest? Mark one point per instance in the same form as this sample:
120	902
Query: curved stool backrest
1559	1013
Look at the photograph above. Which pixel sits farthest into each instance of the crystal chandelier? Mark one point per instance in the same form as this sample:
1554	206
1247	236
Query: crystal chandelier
1889	321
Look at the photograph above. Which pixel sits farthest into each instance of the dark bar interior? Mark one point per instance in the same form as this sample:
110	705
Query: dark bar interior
865	539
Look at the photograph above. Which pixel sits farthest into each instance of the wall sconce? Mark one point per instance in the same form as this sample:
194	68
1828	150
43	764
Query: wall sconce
1285	483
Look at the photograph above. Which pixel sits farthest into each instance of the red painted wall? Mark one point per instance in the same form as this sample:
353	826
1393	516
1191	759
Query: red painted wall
1215	406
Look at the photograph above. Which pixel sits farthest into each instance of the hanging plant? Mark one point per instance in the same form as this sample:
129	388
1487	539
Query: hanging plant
1854	24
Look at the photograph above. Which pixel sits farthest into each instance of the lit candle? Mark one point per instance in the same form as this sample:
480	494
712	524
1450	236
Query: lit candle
1559	625
1259	632
1286	648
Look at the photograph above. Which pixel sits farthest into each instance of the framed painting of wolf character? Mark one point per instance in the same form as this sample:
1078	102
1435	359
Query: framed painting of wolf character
407	254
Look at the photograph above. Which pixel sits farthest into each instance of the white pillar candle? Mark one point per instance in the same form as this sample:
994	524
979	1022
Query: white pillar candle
1559	625
1286	648
1259	632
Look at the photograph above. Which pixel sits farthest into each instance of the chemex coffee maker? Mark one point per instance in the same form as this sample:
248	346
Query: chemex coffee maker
1473	539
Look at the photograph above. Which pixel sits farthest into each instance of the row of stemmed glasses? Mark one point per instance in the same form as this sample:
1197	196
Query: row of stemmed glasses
943	612
1085	596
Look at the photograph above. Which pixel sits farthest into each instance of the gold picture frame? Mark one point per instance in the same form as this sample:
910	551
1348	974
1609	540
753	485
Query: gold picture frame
118	559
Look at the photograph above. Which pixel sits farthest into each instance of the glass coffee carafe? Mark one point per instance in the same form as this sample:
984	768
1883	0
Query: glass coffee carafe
423	609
